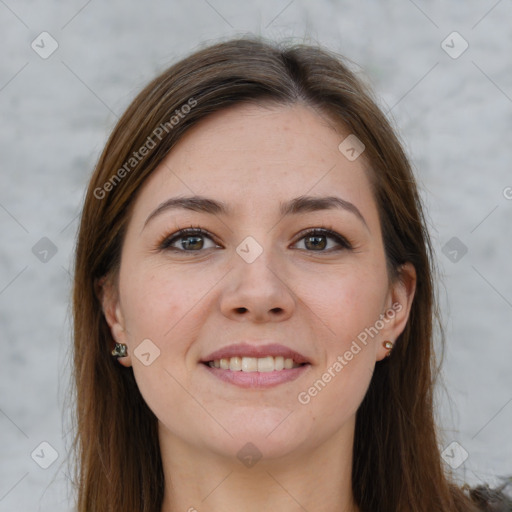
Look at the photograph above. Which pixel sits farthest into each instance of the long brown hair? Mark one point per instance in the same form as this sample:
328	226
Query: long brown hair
397	466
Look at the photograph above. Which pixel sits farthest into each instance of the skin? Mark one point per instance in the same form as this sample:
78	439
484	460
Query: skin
315	301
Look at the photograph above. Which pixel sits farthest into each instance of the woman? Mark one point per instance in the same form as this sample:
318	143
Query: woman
253	299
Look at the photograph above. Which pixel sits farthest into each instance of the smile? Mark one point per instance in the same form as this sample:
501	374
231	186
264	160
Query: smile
254	364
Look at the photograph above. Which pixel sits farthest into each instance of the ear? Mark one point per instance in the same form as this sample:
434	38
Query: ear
107	292
398	307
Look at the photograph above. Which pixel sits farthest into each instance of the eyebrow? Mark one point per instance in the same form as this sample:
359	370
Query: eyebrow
295	206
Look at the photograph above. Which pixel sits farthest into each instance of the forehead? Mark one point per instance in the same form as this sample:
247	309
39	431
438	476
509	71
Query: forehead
251	154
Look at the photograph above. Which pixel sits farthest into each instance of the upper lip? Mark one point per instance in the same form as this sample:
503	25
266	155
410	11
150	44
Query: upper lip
248	350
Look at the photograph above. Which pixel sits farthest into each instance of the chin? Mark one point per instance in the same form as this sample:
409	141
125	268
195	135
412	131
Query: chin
249	448
274	432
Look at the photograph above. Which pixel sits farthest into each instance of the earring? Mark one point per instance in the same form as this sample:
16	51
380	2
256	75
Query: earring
121	350
389	346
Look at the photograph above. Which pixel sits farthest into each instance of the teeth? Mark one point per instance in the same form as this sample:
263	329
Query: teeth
249	364
265	364
254	364
235	364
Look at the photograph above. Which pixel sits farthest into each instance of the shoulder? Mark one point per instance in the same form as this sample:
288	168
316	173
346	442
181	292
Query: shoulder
491	500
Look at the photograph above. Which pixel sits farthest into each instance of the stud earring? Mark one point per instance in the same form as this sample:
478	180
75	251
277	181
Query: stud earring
389	346
121	350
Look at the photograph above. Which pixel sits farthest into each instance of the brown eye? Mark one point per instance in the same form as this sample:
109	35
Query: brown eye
192	242
188	240
316	242
323	240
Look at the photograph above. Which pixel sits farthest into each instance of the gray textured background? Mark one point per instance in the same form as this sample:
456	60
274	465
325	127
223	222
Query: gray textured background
454	114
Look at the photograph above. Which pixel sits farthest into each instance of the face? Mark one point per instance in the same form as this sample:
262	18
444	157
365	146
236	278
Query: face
281	259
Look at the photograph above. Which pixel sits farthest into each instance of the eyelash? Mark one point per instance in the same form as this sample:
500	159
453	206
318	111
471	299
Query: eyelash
166	243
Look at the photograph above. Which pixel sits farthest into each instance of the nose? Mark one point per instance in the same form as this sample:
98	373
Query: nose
257	292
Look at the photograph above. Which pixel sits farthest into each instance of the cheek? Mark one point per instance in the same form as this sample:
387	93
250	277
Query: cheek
162	306
336	389
156	301
345	302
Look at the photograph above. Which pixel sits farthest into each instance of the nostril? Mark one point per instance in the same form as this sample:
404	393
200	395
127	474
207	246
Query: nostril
241	310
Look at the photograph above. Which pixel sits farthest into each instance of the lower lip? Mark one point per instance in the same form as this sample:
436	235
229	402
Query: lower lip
257	379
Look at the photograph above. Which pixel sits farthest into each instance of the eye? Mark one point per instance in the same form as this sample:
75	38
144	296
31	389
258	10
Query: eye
188	240
317	240
197	239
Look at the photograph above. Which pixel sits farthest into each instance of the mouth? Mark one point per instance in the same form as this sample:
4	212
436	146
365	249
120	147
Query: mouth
251	366
254	364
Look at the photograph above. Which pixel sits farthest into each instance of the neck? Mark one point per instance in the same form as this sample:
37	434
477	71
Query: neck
318	479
